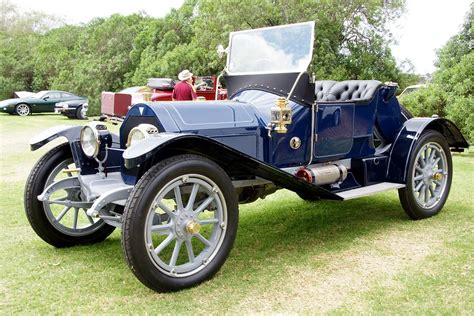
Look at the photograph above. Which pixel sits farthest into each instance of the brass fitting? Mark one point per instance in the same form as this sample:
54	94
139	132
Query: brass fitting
281	115
193	227
438	176
281	102
147	96
71	170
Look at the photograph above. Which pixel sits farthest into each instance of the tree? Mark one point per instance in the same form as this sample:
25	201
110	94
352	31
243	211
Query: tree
451	93
19	33
351	37
112	53
16	66
13	22
99	58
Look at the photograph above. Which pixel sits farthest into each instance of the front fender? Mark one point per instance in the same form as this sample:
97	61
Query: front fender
72	133
237	164
407	137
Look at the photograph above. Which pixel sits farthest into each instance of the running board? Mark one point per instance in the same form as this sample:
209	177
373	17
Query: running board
369	190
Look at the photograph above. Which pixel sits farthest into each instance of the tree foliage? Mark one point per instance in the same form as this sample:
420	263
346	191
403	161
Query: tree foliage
352	42
451	92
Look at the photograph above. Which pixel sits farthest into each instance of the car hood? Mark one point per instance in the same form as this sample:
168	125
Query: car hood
235	124
9	102
197	117
20	100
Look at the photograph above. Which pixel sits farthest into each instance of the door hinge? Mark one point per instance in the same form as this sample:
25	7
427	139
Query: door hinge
315	137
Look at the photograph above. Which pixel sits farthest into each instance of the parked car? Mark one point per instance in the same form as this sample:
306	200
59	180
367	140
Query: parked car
73	109
206	87
174	176
43	101
157	89
411	89
117	104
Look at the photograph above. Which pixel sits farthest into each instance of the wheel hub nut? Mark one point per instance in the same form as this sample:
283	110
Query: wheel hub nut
437	176
193	227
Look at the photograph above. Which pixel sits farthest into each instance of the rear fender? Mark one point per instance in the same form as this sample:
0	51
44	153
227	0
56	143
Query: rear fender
237	164
401	152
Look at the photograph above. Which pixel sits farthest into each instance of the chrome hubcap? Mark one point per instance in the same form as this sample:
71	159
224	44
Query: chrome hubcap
429	175
186	225
22	110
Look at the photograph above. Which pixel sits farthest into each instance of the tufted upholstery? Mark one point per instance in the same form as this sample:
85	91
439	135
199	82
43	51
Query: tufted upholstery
348	90
322	87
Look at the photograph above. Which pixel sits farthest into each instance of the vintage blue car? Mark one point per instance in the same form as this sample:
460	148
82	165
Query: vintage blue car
174	177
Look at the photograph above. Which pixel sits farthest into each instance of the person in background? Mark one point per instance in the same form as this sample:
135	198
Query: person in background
184	90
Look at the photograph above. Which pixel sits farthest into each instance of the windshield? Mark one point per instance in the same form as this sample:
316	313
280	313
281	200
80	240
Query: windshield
130	90
38	95
279	49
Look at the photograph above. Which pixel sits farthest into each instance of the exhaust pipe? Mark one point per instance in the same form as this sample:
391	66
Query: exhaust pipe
320	175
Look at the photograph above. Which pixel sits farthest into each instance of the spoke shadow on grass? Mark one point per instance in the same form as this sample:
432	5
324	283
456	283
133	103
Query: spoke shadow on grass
273	234
284	228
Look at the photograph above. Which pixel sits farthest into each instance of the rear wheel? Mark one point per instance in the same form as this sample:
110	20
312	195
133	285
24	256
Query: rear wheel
61	219
180	223
22	109
429	177
80	115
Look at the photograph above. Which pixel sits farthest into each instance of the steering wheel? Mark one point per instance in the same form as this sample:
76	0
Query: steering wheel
202	86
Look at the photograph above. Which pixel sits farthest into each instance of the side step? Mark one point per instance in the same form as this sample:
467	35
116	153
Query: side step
369	190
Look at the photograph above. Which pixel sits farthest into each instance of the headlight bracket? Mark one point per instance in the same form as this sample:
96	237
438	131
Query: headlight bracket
95	139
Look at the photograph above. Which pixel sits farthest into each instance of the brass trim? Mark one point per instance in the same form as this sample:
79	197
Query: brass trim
295	142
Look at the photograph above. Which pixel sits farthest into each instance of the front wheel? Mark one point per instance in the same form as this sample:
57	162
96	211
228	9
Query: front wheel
23	109
180	222
61	220
429	177
80	113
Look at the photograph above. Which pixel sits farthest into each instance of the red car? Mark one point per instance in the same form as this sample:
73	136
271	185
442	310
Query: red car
157	89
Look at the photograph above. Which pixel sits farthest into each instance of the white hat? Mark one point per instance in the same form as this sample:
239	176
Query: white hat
184	75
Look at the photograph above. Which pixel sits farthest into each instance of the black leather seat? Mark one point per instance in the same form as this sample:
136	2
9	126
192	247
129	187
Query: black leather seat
348	90
322	88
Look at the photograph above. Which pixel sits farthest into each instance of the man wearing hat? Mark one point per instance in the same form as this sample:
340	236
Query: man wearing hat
184	90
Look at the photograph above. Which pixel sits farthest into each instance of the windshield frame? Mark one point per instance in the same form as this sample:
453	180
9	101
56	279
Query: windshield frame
232	34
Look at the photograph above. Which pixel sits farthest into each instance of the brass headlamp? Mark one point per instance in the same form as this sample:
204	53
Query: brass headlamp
281	115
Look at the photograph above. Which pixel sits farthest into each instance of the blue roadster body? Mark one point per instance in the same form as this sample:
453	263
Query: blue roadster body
177	171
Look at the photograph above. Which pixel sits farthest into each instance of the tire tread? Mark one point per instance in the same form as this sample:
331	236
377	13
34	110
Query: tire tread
131	204
410	206
39	223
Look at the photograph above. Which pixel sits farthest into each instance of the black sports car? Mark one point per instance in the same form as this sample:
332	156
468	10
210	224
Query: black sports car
73	109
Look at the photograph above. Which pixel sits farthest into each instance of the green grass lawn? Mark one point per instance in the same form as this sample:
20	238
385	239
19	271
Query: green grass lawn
363	255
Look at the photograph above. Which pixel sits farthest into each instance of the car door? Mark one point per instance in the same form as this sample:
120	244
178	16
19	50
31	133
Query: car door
335	129
46	104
